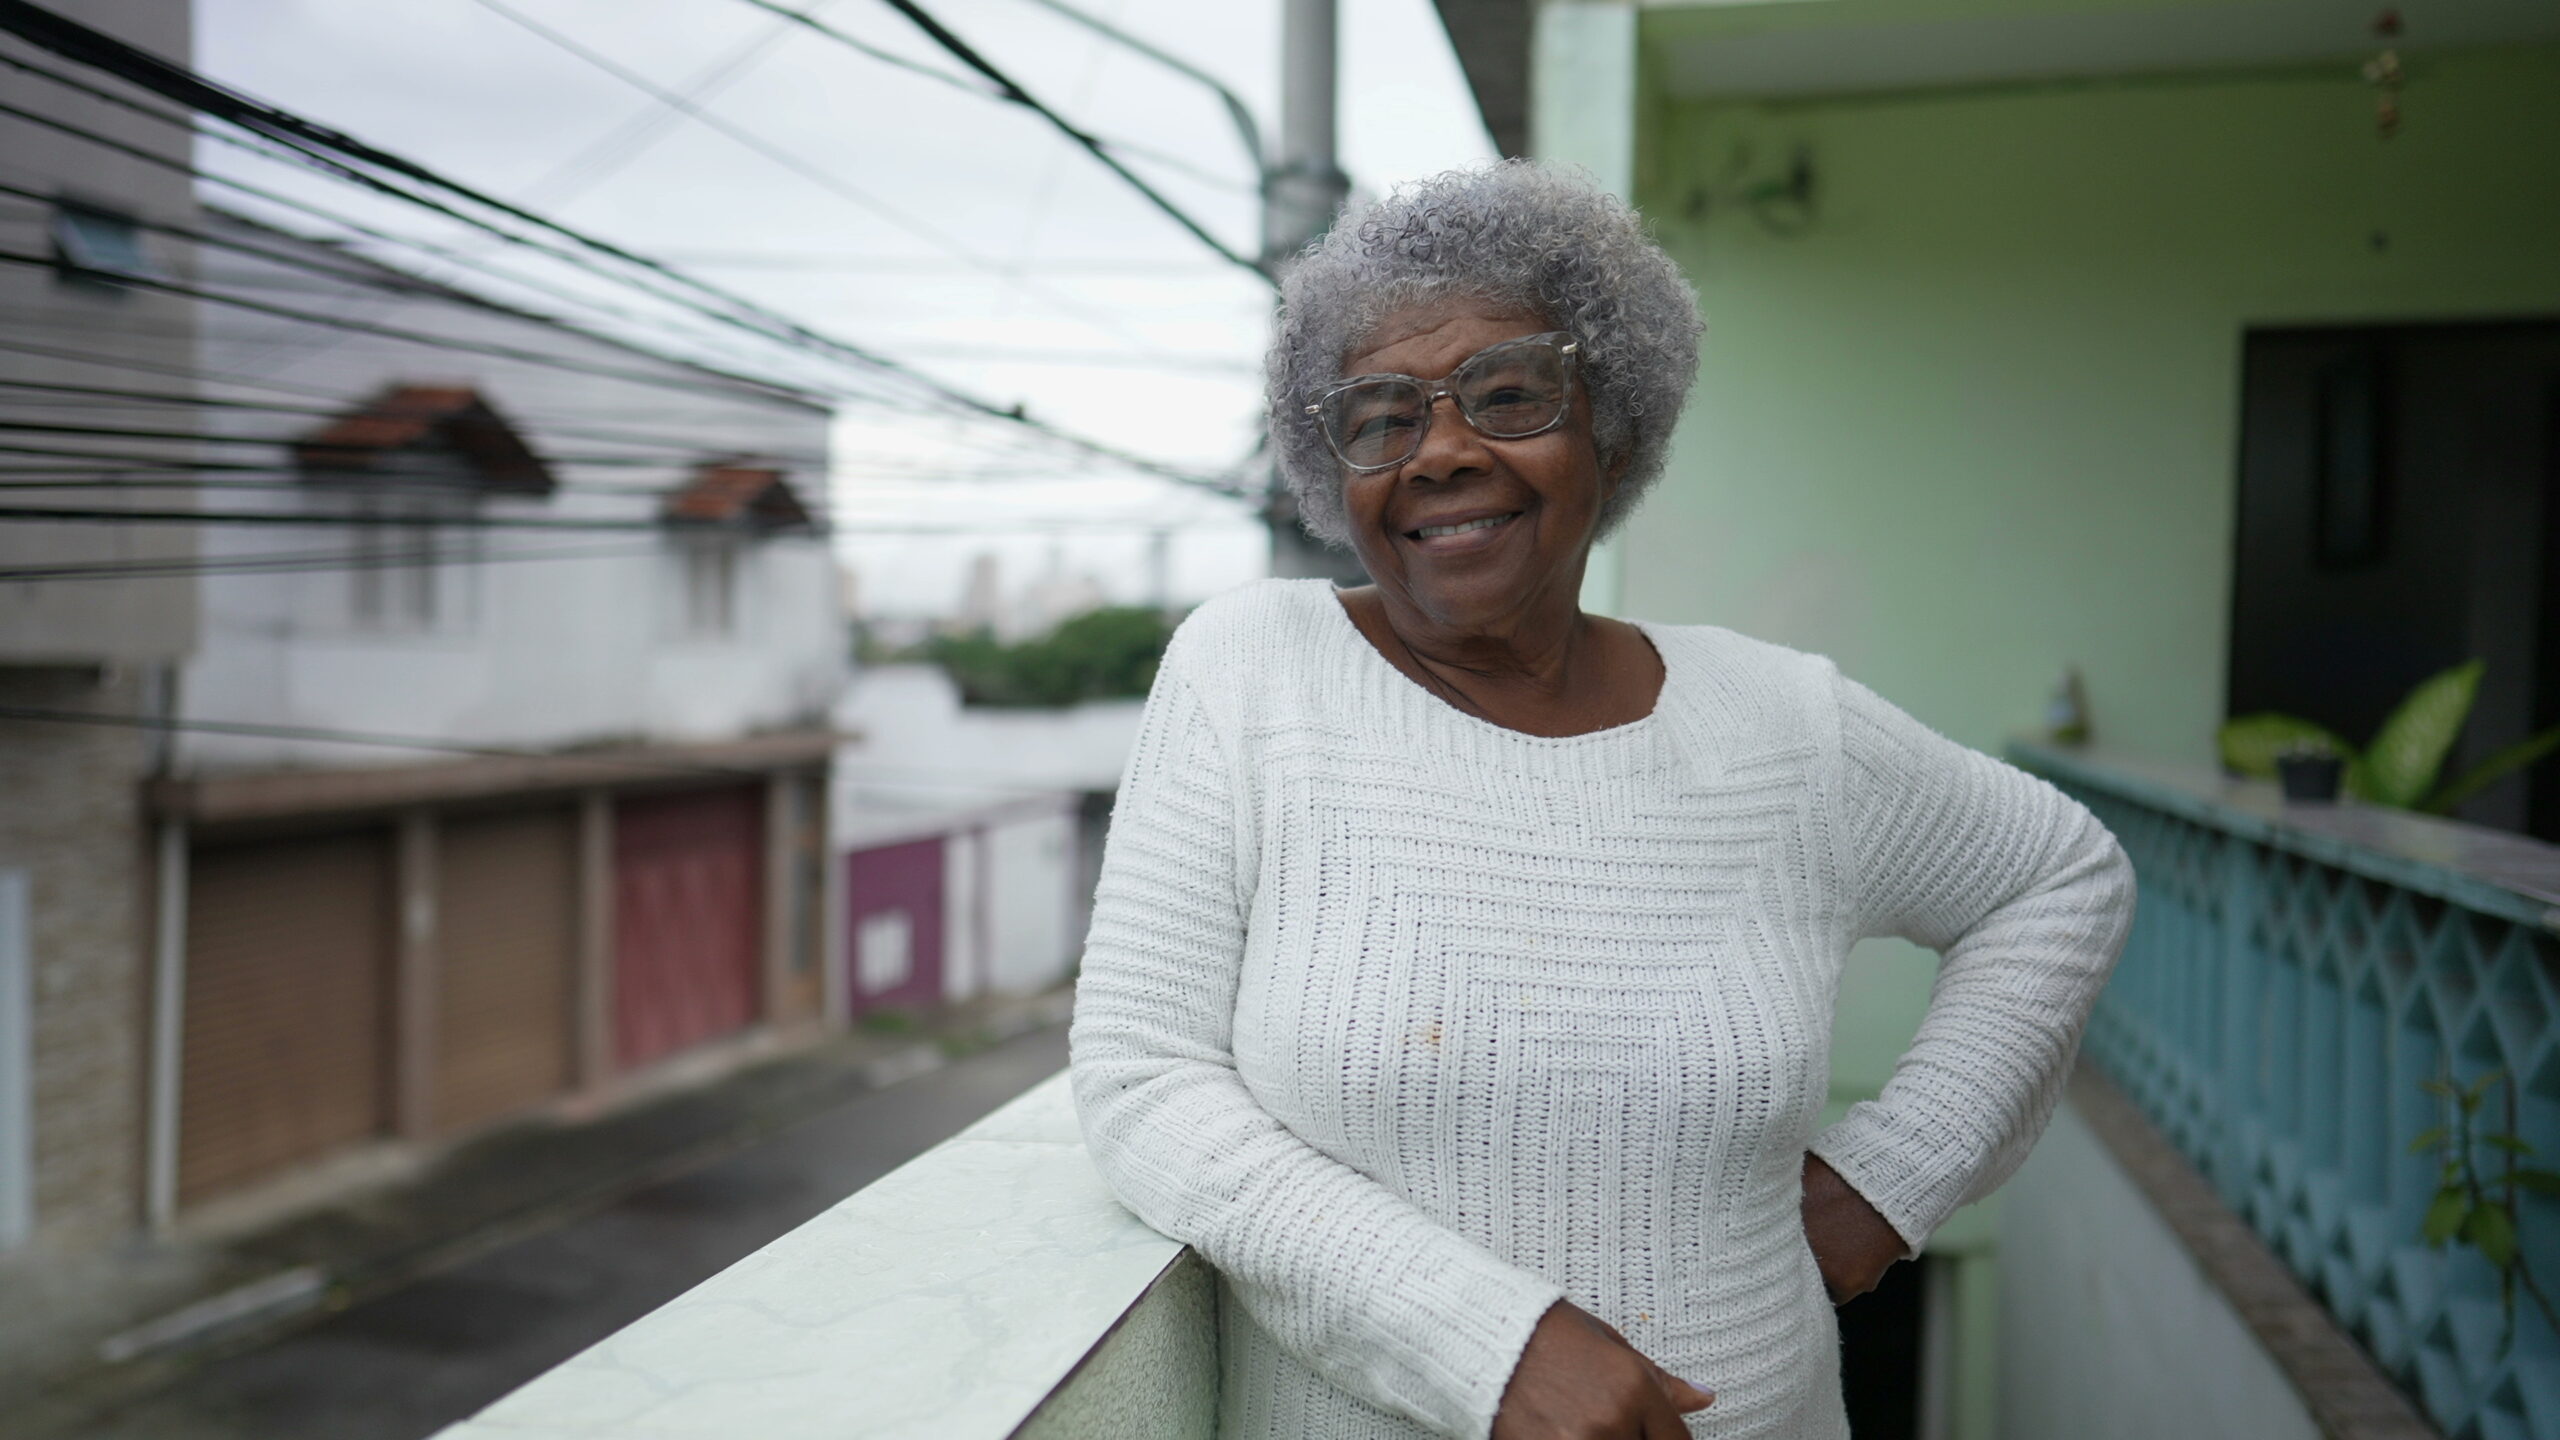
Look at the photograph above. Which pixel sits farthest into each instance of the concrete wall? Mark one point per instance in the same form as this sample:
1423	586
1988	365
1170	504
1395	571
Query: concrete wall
2109	1330
915	734
536	652
59	331
1980	419
70	822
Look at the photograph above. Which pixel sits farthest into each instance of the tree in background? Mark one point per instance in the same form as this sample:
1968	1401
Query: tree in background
1104	654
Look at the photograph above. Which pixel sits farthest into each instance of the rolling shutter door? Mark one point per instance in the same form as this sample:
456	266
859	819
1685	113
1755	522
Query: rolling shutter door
507	956
688	919
287	1005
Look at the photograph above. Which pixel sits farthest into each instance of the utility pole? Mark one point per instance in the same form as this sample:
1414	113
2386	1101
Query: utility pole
1302	191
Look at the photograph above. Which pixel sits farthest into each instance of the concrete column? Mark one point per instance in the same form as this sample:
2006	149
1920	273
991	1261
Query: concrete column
17	1065
781	877
1582	111
833	983
594	1004
415	967
168	1027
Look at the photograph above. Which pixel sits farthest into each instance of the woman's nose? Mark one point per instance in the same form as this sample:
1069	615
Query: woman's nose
1450	444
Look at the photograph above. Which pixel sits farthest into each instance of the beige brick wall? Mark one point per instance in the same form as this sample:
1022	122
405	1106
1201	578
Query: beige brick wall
70	817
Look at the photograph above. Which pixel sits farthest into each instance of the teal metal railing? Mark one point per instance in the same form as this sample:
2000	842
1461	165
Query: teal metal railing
2294	977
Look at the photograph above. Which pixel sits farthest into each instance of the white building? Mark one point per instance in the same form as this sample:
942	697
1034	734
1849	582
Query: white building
505	750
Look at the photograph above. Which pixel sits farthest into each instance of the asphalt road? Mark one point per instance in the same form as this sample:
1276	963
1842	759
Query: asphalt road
406	1364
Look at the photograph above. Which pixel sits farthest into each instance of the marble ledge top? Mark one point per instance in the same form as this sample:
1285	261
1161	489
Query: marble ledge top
2514	876
945	1300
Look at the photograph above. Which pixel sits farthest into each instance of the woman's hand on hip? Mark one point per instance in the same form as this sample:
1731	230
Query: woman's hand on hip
1579	1379
1851	1242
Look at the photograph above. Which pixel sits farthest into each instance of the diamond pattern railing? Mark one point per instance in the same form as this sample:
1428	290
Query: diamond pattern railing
2275	1014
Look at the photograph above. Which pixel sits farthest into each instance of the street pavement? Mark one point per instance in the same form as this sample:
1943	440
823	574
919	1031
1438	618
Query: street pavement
403	1365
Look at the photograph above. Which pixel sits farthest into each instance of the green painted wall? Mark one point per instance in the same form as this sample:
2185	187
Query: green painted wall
1979	420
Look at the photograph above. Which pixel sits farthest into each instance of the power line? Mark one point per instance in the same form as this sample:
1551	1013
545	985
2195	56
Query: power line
824	179
1009	91
67	514
345	156
362	737
346	408
382	332
580	172
273	197
186	567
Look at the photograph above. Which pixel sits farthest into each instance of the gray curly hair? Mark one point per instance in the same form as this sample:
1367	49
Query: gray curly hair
1513	233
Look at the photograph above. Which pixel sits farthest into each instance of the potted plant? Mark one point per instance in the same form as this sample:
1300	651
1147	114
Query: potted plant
2399	769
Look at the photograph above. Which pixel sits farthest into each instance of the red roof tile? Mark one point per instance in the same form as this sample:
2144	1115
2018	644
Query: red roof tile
450	419
737	494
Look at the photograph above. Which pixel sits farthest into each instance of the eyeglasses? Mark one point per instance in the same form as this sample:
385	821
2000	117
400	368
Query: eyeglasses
1509	391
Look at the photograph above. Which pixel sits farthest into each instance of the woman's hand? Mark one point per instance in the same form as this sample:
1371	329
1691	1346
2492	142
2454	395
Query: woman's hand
1851	1242
1578	1379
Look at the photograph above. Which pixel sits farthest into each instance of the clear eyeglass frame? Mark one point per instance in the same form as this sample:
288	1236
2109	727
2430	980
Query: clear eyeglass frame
1567	350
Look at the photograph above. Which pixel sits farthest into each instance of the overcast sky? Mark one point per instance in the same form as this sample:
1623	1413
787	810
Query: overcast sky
938	227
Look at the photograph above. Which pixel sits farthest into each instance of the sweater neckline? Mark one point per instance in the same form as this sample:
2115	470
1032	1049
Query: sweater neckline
1348	632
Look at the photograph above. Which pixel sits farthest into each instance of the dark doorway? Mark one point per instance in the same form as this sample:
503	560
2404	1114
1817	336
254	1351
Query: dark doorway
1880	1340
2399	514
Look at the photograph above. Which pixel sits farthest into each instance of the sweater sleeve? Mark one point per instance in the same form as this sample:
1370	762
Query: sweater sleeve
1373	1293
2027	898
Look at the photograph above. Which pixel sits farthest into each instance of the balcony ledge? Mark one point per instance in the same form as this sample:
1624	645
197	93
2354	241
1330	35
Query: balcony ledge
991	1287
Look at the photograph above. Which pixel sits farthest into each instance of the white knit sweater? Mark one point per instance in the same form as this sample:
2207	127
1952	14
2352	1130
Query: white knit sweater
1412	1024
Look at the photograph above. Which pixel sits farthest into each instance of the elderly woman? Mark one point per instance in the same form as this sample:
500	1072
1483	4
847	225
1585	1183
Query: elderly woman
1461	978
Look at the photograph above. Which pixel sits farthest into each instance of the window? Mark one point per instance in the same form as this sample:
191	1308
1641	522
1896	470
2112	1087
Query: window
710	587
98	247
397	573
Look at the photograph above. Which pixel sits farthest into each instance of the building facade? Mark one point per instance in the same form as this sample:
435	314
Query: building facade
500	770
96	615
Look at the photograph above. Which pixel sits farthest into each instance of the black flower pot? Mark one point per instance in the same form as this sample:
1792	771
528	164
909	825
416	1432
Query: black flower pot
2310	779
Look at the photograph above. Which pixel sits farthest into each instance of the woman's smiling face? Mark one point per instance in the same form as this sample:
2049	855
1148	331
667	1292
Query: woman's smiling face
1543	493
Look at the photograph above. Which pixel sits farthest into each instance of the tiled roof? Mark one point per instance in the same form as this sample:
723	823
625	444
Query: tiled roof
753	496
450	420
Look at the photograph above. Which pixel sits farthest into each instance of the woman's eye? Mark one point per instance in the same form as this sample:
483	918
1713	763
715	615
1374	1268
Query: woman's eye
1376	427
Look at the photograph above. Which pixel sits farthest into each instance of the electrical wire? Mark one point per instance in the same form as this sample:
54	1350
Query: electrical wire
246	729
69	514
112	396
292	562
343	155
827	180
382	332
1012	93
625	143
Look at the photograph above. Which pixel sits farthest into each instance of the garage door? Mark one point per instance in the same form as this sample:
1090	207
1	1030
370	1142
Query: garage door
893	926
287	1017
688	918
507	909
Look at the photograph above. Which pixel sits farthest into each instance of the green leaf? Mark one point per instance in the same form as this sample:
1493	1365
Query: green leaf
2251	743
2446	1215
2489	772
2437	1087
2508	1143
2427	1140
2489	1231
2400	765
2480	1085
2540	1182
